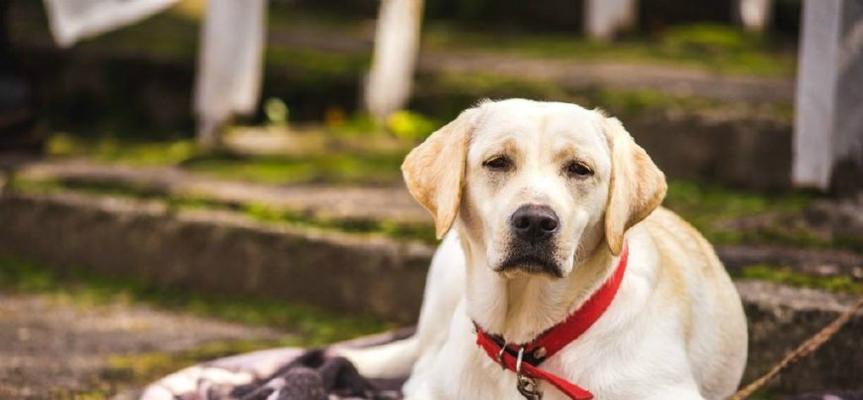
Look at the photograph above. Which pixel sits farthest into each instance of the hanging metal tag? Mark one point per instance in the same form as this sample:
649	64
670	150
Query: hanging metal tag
526	385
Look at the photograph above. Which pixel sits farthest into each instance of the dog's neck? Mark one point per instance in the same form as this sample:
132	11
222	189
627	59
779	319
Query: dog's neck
521	308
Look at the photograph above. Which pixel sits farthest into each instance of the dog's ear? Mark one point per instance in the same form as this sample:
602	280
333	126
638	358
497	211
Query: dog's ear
636	187
434	170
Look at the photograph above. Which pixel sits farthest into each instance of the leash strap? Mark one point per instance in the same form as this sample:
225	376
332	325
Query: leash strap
508	361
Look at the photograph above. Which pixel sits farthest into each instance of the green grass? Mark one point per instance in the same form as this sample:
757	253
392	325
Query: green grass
396	230
312	326
336	168
713	208
787	276
713	47
340	163
449	93
126	151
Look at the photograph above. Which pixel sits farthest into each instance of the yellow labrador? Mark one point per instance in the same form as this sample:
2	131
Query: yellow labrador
544	197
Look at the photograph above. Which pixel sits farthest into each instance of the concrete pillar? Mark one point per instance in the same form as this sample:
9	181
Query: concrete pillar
753	15
828	134
604	18
397	39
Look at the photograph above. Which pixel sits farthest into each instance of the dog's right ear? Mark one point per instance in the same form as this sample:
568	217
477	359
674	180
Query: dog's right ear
637	185
434	170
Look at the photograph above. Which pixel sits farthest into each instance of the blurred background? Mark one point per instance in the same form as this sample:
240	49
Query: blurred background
187	179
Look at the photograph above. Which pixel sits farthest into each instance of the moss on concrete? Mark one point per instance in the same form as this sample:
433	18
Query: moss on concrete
714	209
312	325
787	276
258	211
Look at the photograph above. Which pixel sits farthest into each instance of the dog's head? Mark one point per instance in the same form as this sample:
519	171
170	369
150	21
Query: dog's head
535	186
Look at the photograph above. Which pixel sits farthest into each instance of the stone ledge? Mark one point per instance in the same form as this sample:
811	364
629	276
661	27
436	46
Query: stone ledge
216	252
782	317
316	201
225	252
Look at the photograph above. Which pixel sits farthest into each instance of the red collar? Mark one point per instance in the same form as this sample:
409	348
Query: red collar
555	338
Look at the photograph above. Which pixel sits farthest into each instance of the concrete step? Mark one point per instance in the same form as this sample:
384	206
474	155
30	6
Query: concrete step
315	201
224	252
367	203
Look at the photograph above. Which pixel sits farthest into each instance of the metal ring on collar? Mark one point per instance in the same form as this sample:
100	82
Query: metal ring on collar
518	360
500	356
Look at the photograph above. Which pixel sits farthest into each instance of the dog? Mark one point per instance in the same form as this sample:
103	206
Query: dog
551	207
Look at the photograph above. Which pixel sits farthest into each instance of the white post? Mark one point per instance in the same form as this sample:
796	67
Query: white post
229	65
753	15
396	48
829	104
603	18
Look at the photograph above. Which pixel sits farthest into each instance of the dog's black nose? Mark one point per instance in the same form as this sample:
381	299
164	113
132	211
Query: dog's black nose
534	223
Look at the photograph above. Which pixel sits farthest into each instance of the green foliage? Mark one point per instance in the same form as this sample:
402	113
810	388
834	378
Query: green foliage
112	149
410	125
276	111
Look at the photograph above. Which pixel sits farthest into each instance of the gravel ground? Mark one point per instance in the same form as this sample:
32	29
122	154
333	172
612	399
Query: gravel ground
55	349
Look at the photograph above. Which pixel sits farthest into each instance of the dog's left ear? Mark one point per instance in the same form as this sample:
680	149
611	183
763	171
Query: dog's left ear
636	188
434	170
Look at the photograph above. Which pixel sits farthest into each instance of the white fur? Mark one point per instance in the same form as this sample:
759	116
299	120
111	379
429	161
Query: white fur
676	329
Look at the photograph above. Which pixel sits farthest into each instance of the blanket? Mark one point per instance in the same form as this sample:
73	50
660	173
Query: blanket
281	374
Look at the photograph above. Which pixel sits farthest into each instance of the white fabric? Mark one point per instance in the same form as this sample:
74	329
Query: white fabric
603	18
229	62
73	20
816	94
754	15
396	46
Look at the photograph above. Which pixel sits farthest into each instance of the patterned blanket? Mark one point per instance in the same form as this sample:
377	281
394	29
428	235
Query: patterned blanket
281	374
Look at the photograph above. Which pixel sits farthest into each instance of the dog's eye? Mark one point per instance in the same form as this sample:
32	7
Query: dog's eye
578	169
499	163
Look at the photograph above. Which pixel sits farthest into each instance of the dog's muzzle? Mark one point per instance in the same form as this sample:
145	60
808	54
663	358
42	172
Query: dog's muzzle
532	246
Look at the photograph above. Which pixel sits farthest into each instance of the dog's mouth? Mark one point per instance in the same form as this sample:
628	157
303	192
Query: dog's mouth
532	264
